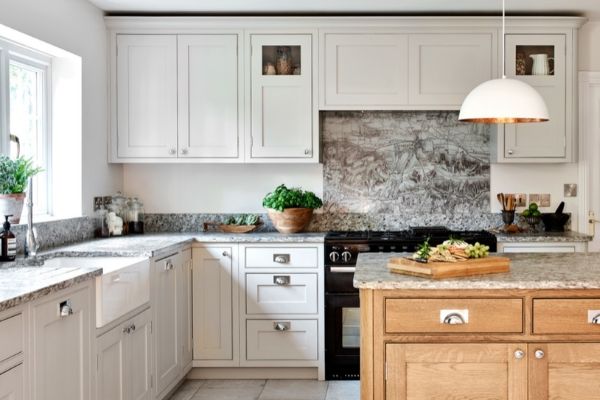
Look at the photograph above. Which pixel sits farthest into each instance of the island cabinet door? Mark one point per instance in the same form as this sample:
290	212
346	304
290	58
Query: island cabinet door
457	371
564	371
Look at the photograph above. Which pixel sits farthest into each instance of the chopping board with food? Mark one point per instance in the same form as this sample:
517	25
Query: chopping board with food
451	259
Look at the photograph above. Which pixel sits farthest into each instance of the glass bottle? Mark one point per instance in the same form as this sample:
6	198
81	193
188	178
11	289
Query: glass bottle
136	216
114	221
101	225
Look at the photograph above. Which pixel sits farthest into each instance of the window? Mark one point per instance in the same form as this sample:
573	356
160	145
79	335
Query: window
26	77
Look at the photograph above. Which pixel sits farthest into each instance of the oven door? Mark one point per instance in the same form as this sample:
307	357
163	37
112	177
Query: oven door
342	336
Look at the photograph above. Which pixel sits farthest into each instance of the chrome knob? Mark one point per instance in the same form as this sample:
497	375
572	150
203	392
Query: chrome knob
334	256
225	254
510	152
132	327
169	265
519	354
172	152
346	256
307	151
184	151
539	354
127	329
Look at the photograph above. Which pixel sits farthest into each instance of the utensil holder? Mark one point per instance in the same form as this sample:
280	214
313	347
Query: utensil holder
508	216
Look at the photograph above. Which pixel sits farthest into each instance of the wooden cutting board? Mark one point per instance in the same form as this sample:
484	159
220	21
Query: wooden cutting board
440	270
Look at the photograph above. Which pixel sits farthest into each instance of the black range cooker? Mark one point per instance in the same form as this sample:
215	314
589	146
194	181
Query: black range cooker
342	312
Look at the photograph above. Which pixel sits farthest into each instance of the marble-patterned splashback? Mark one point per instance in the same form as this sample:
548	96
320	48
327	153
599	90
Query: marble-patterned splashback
410	168
56	233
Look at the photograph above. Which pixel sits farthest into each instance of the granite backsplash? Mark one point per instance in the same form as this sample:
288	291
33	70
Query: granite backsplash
56	233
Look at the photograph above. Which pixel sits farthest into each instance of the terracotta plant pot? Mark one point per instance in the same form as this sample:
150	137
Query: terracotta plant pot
291	220
12	204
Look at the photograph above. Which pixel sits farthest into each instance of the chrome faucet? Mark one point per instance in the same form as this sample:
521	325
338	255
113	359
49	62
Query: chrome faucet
31	243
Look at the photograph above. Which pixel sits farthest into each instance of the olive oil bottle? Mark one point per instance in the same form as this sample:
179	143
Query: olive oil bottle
8	251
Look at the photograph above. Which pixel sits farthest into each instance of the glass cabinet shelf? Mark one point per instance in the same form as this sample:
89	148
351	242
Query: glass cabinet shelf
281	60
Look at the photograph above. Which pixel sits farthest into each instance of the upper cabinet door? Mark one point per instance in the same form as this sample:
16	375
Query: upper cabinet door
539	60
282	118
365	70
444	68
146	96
210	104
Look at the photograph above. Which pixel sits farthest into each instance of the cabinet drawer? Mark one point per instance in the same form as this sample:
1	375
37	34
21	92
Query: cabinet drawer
268	257
281	339
428	315
566	316
11	336
281	293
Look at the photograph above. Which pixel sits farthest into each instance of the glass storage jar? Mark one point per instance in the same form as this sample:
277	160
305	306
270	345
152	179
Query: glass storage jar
100	222
119	206
136	216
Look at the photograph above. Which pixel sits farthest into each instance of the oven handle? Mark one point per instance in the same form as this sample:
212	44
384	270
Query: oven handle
342	269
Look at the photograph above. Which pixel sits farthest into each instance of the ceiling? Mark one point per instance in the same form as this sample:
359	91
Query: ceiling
590	8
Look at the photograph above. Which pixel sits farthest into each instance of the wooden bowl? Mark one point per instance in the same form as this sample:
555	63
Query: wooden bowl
238	228
290	220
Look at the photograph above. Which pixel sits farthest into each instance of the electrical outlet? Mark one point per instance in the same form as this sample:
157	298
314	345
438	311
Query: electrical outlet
98	202
570	190
545	200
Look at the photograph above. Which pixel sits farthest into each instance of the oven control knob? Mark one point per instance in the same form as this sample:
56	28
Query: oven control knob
334	256
346	256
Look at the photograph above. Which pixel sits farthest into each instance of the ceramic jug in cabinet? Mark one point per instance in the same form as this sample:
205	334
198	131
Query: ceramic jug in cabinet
541	64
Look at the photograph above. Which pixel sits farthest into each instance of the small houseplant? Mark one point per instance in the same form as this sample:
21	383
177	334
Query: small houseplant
14	175
291	209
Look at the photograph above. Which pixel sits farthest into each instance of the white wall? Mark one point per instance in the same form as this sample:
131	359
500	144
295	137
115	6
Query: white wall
196	188
78	27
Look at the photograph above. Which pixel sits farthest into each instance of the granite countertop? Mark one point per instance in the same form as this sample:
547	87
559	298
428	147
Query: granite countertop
528	271
568	236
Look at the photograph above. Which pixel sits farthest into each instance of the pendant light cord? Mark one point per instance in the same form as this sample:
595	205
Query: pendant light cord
503	39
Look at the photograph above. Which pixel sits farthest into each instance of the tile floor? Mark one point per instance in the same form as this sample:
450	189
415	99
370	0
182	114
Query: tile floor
267	390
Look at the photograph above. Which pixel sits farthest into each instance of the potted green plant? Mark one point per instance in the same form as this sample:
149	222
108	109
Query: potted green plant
14	175
291	209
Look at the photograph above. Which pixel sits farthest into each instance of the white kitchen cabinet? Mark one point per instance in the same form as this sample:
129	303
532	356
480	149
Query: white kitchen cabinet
282	340
364	70
215	305
124	361
146	97
61	345
12	383
444	68
283	113
184	291
166	336
210	97
550	141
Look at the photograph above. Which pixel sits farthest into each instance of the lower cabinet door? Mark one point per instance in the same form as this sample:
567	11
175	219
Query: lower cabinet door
11	384
281	339
564	371
456	371
139	384
110	378
61	346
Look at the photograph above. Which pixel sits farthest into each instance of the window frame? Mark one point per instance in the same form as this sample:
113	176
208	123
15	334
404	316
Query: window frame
40	63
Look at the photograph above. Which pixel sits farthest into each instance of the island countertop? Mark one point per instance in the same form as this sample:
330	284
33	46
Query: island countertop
528	271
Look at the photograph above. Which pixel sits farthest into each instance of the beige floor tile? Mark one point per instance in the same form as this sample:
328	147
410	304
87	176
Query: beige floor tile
343	390
187	390
250	393
294	390
233	384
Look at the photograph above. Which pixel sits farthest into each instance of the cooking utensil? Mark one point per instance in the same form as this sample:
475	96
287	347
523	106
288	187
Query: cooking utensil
560	208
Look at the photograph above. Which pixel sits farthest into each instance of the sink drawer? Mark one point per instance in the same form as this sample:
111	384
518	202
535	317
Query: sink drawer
281	293
479	315
566	316
11	336
121	291
281	339
275	257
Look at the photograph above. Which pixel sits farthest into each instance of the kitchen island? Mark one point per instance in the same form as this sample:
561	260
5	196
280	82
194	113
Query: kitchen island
533	333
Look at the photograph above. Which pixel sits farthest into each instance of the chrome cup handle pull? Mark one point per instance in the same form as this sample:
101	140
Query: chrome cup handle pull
65	308
281	326
594	317
169	265
454	317
281	258
281	280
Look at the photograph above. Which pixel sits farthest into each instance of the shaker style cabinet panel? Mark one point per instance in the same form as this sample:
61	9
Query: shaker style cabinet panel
11	383
146	96
210	105
282	117
214	305
365	70
111	365
467	371
444	68
543	62
61	345
184	291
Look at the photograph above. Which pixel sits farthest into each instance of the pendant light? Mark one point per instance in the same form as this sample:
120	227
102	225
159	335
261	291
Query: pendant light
503	101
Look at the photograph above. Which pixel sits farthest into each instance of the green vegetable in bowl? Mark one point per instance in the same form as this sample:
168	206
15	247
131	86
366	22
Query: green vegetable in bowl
242	219
282	198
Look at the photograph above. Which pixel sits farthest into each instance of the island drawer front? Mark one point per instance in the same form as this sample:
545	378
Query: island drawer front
283	339
566	316
276	257
281	293
11	336
480	315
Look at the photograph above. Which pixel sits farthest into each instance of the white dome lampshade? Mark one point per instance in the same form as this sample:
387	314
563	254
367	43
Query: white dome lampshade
503	101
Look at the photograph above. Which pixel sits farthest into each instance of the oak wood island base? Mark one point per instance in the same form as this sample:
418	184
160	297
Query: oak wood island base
533	333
